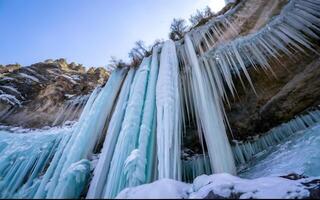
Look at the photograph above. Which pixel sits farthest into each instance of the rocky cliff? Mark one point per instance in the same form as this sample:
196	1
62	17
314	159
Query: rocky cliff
46	93
290	89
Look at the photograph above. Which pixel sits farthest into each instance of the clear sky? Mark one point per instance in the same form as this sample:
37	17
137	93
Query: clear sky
86	31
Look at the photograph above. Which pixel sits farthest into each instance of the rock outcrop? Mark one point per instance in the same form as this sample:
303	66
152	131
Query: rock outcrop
293	90
33	96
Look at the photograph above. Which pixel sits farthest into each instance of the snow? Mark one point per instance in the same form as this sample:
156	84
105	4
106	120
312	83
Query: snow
162	189
10	99
69	78
75	77
6	79
29	77
223	185
69	95
32	71
263	188
13	89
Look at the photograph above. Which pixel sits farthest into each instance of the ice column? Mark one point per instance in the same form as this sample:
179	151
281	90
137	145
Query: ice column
129	134
102	168
140	169
168	114
210	116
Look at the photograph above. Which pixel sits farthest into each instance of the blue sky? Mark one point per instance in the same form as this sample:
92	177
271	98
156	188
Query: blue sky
86	31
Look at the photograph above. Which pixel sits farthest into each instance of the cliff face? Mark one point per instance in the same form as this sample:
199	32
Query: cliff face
33	96
294	90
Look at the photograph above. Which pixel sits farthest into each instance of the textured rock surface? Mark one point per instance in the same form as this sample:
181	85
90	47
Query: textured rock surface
42	89
295	89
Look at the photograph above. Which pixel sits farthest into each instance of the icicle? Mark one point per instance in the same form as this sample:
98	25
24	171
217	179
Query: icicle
82	141
210	117
168	114
138	173
195	166
23	158
102	168
128	136
244	152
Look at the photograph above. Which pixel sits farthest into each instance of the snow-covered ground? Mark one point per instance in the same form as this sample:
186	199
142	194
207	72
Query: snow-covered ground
220	185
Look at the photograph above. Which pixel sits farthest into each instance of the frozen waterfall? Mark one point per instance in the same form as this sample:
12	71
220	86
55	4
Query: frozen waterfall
133	130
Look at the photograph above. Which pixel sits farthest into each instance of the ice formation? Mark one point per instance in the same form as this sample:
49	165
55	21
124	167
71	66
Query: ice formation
208	112
195	166
69	111
245	151
137	123
299	154
168	114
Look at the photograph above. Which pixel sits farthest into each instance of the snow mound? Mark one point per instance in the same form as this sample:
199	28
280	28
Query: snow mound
226	185
222	186
162	189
